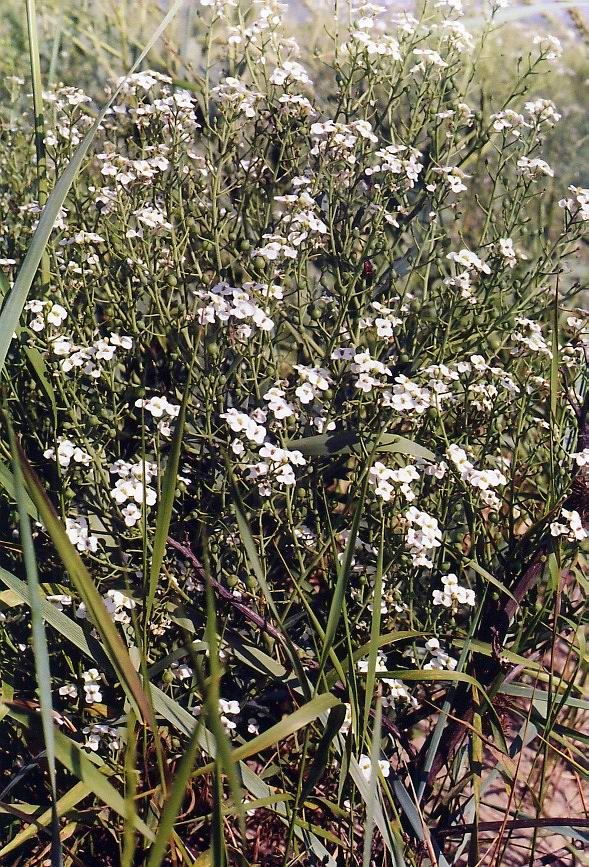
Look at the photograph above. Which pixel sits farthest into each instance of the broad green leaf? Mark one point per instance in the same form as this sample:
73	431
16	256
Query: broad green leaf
346	442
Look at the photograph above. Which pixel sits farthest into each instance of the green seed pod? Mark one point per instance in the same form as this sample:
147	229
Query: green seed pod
171	280
168	676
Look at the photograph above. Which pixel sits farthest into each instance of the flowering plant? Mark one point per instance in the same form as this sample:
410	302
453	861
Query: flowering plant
304	375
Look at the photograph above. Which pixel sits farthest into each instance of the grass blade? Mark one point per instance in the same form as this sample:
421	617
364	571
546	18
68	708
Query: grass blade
166	504
113	643
66	803
73	757
157	853
15	301
372	784
41	652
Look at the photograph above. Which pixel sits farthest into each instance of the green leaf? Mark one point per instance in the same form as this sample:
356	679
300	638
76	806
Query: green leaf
347	442
342	577
166	503
7	482
361	783
170	710
374	633
66	803
541	697
40	651
174	800
256	566
372	794
317	769
79	764
37	362
472	564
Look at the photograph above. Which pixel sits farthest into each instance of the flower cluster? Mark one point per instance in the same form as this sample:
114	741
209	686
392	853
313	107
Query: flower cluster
453	594
133	488
573	530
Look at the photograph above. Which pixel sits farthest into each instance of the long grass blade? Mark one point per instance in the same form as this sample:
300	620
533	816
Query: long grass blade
73	757
14	303
166	504
113	643
41	652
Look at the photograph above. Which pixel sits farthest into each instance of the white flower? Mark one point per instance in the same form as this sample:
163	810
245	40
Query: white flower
573	529
277	403
60	600
578	204
550	46
153	218
91	686
290	71
118	604
79	534
534	168
365	765
581	458
469	260
240	422
157	406
66	452
131	514
68	691
453	594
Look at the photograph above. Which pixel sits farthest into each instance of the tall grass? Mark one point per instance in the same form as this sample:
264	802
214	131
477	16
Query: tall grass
294	474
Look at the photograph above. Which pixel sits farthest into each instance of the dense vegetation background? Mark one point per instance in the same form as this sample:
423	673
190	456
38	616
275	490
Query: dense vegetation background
295	434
